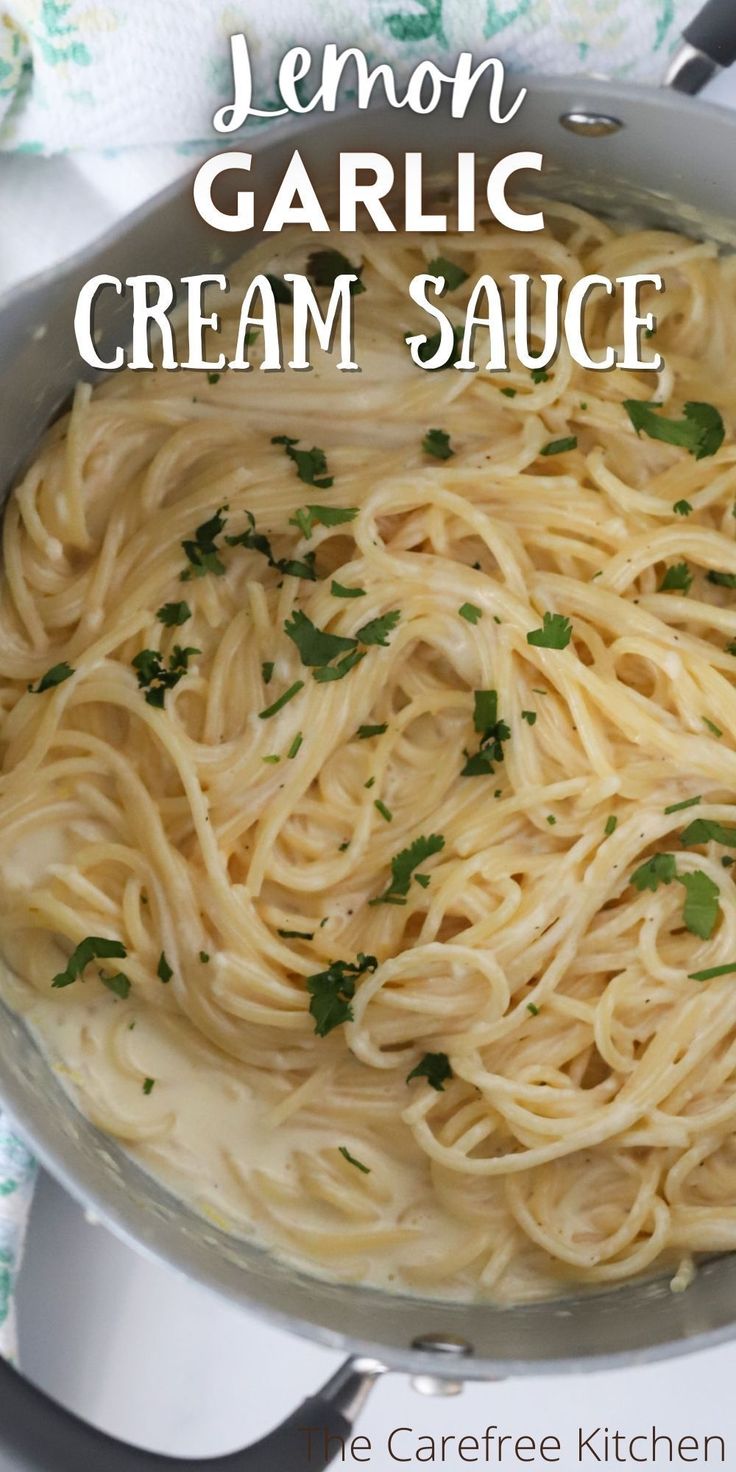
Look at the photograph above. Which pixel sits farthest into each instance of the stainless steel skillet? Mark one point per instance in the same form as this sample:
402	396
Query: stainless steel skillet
663	158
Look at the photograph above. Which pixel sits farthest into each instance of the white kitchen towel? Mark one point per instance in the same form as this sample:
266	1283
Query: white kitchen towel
17	1175
76	74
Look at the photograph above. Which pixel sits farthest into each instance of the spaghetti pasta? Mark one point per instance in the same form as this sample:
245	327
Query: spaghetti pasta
355	703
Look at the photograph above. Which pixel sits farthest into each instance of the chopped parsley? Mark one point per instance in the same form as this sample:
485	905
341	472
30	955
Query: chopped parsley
332	992
172	615
148	1085
492	731
55	676
282	292
324	267
471	612
678	578
352	1161
155	678
213	377
551	819
338	590
326	673
383	810
540	375
716	730
529	716
293	749
453	274
660	869
271	710
509	393
722	579
403	866
701	905
377	630
267	669
163	970
204	958
296	934
93	948
706	830
272	759
315	647
682	508
202	551
530	1007
436	442
435	1067
555	633
257	542
561	446
701	431
431	346
711	972
311	465
678	807
611	825
363	732
118	984
306	517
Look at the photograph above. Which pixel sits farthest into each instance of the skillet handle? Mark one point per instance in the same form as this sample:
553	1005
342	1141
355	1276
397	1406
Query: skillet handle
708	44
39	1435
713	32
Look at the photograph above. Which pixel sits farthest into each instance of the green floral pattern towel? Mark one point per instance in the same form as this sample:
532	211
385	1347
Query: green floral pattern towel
17	1174
78	74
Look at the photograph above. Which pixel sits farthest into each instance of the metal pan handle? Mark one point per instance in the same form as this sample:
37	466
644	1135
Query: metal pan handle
708	45
39	1435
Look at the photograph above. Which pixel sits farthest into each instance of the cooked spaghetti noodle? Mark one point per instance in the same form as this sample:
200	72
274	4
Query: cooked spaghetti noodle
347	823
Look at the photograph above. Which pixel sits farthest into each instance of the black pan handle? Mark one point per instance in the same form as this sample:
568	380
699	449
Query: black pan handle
708	44
39	1435
713	32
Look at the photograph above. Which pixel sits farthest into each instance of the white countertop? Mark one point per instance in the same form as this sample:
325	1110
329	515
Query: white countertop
150	1356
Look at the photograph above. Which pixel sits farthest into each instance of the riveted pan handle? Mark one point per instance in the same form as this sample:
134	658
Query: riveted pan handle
39	1435
709	44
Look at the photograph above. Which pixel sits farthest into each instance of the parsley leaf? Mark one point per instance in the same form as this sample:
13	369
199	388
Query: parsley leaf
148	1085
660	869
470	612
324	267
155	678
363	732
559	447
529	716
163	970
94	947
306	517
723	579
314	645
712	971
716	730
257	542
329	672
436	442
682	508
701	431
454	275
352	1161
435	1067
202	551
611	825
333	990
555	633
311	465
55	676
271	710
118	984
403	866
492	731
296	934
701	906
267	669
677	578
677	807
431	345
377	630
705	830
282	292
213	377
383	810
338	590
174	614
